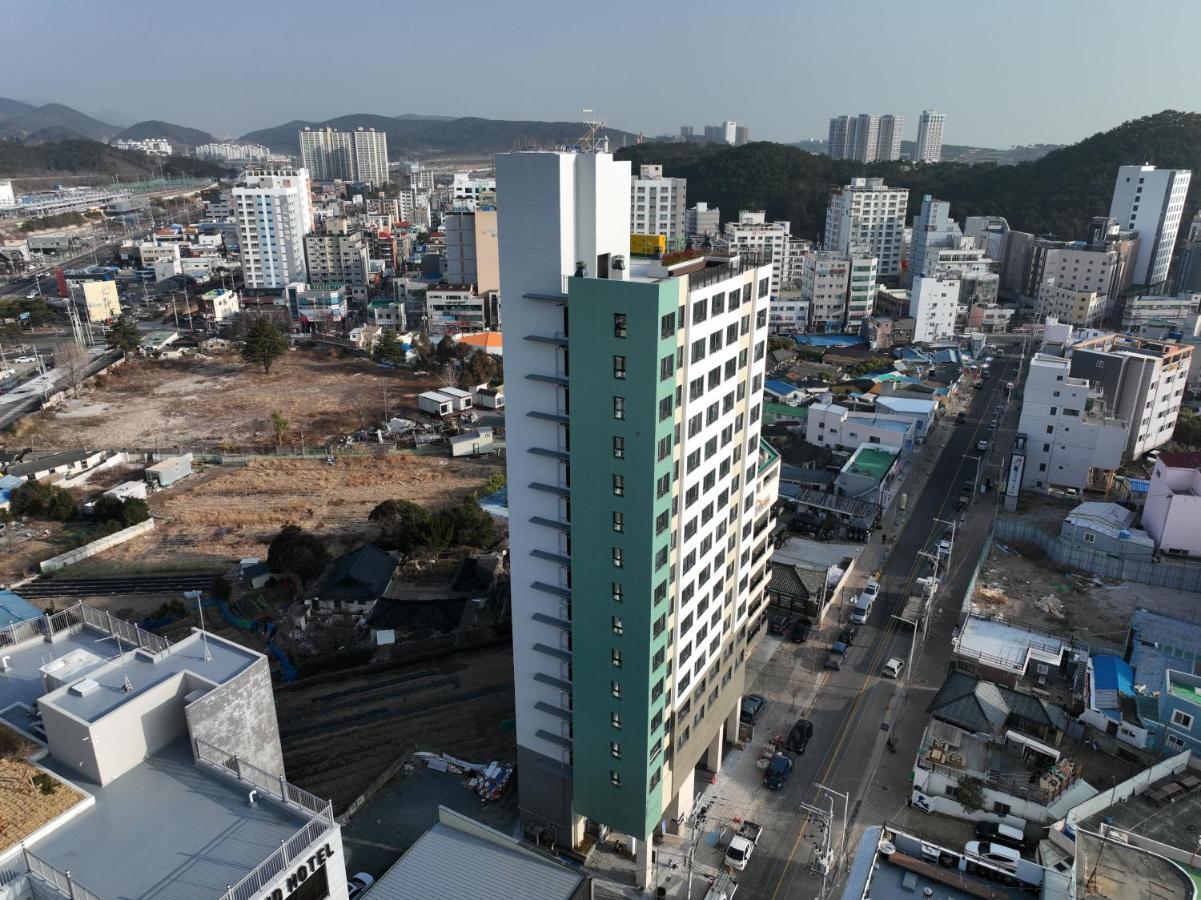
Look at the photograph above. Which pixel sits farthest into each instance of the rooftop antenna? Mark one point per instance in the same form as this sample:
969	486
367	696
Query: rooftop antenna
204	635
593	141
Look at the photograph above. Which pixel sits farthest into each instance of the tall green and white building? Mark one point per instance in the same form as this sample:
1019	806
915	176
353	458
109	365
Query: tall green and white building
640	500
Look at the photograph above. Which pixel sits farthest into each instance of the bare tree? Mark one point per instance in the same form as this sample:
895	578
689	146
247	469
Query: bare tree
71	360
447	376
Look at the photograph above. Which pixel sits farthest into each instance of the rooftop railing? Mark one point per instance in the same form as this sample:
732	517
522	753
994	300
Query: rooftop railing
59	880
77	615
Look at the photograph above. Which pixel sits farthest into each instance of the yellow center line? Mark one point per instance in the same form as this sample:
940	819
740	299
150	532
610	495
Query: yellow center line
846	728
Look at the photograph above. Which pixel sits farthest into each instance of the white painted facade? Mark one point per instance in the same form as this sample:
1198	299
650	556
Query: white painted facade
1065	442
836	427
371	156
1142	309
657	205
1150	201
788	314
752	233
1083	308
868	212
274	212
702	220
934	305
929	135
1172	514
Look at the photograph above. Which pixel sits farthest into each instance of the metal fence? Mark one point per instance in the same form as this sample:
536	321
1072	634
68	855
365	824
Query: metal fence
278	862
262	780
60	881
122	630
1161	572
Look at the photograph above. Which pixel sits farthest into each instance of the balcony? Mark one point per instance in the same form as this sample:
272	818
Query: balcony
555	340
557	418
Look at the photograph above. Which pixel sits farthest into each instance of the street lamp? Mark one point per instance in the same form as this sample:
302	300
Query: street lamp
976	480
846	800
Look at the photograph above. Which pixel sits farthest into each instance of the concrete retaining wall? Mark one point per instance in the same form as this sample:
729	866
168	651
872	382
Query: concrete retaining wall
54	563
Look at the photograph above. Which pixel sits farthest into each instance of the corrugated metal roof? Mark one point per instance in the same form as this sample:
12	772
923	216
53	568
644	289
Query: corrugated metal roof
15	609
1111	673
452	865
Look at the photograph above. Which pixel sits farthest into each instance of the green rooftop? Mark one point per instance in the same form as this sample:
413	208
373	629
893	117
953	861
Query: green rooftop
871	461
774	411
1185	691
769	453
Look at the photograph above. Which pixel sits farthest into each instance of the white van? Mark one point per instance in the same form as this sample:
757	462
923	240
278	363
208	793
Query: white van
863	603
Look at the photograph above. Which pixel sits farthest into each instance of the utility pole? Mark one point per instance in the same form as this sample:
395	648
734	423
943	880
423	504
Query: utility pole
846	802
696	819
821	862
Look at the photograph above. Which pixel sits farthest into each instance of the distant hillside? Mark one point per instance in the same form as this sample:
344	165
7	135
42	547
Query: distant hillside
93	158
414	136
425	118
54	115
1056	194
180	138
955	152
10	108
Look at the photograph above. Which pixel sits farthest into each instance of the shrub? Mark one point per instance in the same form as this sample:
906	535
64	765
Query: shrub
42	500
295	550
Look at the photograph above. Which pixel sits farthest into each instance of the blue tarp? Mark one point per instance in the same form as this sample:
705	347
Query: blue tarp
1112	673
829	340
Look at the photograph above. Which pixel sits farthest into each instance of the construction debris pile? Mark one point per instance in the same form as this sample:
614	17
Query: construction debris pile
489	781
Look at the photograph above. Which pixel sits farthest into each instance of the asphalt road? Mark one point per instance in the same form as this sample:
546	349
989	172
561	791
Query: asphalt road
854	707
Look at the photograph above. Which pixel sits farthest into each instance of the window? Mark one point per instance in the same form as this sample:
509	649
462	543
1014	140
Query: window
619	407
615	719
1001	809
700	312
1090	538
667	325
664	447
619	447
619	521
614	778
619	367
719	304
619	325
615	689
661	557
663	485
619	485
665	408
715	342
615	749
698	350
618	592
619	557
1183	719
618	626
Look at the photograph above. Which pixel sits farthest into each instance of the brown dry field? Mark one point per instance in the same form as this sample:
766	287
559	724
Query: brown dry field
220	402
229	513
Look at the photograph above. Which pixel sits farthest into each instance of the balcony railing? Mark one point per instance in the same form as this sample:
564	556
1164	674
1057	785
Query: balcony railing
60	881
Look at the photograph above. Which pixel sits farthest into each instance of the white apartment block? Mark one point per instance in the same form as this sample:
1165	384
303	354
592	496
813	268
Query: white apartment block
888	145
274	213
702	221
327	154
657	205
1078	268
371	156
466	192
1069	440
788	315
231	152
1141	310
838	288
331	155
1083	308
929	136
868	212
337	255
1150	201
934	305
865	137
730	132
829	425
752	233
640	500
150	146
838	145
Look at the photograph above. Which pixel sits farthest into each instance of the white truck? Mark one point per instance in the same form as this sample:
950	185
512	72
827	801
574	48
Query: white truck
742	844
863	603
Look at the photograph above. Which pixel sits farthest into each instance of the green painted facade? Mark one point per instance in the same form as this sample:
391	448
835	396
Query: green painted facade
633	805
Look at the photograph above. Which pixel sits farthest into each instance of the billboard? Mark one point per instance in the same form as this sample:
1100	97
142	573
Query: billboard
101	300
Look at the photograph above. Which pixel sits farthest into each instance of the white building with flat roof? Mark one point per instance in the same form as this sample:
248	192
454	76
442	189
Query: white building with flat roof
934	305
929	136
274	212
1150	201
869	212
161	755
752	233
657	205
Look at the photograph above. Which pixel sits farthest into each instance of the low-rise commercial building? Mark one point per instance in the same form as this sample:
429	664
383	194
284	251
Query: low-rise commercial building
1172	512
838	428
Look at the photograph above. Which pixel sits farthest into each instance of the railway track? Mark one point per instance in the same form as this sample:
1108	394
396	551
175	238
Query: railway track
47	588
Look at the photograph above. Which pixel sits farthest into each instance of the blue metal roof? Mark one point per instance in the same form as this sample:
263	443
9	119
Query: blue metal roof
1139	485
780	388
1112	673
15	609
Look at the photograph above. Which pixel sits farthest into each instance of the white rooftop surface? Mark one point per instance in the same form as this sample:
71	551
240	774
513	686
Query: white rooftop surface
145	670
22	683
165	830
1009	645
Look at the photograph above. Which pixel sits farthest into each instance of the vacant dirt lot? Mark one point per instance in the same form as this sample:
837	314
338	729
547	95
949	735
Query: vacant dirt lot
228	513
220	402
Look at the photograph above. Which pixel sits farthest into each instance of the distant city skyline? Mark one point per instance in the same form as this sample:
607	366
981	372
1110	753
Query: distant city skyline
520	61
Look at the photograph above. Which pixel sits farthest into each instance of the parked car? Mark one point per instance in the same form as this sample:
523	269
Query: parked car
978	386
871	589
801	630
752	705
742	845
849	632
834	660
358	883
960	418
778	624
1000	833
798	737
944	547
893	668
982	445
775	776
24	359
996	854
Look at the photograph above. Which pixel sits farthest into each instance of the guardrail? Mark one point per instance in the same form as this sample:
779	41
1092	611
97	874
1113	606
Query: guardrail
122	630
278	862
60	881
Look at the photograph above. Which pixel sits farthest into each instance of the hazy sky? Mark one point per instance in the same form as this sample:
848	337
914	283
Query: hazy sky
1004	71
